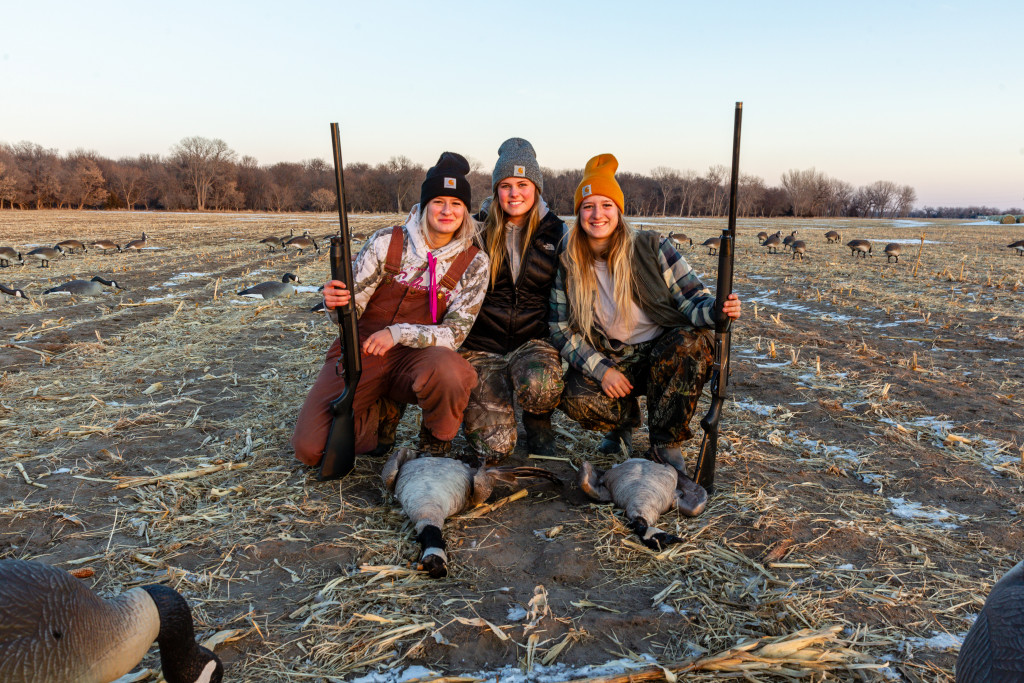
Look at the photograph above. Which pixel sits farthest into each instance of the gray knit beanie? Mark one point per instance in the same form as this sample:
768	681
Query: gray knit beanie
516	159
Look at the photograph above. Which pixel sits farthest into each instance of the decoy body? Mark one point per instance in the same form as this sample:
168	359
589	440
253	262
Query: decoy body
7	254
302	243
681	239
798	247
789	239
71	245
93	287
273	241
16	293
993	651
45	254
862	247
273	290
136	245
712	243
762	236
772	242
893	250
106	245
645	490
833	236
53	628
1018	245
432	489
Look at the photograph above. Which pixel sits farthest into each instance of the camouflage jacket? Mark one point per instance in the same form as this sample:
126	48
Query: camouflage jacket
686	292
463	304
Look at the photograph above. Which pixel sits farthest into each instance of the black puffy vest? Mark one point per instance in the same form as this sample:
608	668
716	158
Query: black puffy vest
515	313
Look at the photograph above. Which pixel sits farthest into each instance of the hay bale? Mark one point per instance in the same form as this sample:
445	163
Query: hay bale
1008	219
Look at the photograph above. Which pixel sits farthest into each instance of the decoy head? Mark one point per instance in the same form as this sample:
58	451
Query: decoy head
291	277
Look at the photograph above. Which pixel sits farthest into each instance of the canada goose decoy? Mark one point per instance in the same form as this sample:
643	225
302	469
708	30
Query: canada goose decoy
273	241
16	293
71	245
862	247
798	247
53	628
302	243
106	245
645	490
993	651
433	489
762	236
833	236
681	239
712	243
1018	245
273	290
893	250
772	242
7	254
45	254
136	245
93	287
789	239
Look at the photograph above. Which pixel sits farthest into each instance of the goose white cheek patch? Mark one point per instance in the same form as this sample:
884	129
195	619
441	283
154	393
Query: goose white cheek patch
435	551
207	673
651	530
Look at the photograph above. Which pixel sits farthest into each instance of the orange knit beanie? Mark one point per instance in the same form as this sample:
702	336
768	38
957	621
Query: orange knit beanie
599	178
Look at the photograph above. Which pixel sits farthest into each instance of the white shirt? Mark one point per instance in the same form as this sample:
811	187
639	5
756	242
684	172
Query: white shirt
611	319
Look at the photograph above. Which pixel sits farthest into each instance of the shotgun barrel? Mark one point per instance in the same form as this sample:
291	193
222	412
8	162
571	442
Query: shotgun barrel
340	450
704	470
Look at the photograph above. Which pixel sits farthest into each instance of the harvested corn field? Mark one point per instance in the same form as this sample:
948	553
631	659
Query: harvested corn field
869	489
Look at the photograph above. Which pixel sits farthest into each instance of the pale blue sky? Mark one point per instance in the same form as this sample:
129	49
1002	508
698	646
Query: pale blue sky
921	93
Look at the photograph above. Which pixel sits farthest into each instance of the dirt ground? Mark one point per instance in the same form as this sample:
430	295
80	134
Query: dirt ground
870	478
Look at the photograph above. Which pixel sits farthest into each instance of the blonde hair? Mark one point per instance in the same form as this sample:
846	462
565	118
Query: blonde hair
466	236
581	280
494	231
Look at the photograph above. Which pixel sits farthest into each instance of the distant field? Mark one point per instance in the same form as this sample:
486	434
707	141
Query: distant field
874	477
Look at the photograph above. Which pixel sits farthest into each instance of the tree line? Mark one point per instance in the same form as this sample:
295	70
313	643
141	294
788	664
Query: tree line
207	175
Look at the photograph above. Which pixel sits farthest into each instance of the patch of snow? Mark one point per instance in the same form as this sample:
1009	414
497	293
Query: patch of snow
938	641
916	511
513	674
516	613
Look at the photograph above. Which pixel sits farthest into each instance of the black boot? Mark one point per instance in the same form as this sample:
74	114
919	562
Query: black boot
540	437
390	414
432	445
618	440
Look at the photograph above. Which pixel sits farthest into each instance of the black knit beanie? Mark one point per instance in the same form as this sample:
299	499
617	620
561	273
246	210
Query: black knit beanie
447	178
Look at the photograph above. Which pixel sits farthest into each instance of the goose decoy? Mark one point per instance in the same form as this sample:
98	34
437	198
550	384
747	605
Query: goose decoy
789	239
16	293
1018	245
93	287
136	245
645	490
762	236
893	250
71	245
273	241
432	489
712	243
53	628
106	245
302	243
798	247
273	290
862	247
7	254
993	651
681	239
772	242
833	236
45	254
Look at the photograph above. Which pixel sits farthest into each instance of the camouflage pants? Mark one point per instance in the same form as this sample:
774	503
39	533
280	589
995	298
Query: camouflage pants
670	370
532	375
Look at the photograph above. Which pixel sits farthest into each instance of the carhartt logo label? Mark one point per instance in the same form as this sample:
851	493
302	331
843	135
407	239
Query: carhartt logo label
449	182
586	190
520	172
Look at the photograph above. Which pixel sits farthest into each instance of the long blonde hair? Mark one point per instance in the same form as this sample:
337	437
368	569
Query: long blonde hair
466	236
581	281
494	231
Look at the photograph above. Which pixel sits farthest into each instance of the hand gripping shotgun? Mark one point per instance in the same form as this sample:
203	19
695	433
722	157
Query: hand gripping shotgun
340	451
704	470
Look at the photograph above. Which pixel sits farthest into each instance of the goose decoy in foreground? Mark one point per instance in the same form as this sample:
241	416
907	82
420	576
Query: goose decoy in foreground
772	242
71	245
136	245
106	245
862	247
798	247
93	287
833	236
993	651
433	489
1018	245
302	243
272	290
712	243
53	628
16	293
7	254
893	250
681	239
645	490
45	254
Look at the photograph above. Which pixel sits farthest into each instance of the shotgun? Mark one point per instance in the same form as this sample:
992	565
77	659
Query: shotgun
340	450
704	470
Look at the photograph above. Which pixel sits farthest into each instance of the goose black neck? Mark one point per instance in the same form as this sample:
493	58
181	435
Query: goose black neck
181	658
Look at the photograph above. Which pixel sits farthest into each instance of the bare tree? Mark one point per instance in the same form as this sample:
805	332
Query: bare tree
200	161
669	181
83	183
402	177
323	200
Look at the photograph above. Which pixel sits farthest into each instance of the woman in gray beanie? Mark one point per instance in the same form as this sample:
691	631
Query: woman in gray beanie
508	344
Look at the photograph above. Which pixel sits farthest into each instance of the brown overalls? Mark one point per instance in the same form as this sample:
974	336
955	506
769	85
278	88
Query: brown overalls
436	378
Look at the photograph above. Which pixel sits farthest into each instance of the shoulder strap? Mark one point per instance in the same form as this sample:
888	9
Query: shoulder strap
458	267
393	264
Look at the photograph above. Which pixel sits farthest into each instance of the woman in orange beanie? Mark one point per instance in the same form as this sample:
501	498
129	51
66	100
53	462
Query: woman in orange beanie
631	318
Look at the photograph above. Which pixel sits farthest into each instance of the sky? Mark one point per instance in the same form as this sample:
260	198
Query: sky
926	94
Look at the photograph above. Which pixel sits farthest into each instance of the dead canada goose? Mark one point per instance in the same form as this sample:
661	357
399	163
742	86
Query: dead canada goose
772	242
45	254
93	287
993	650
273	290
862	247
136	245
106	245
1018	245
681	239
71	245
53	628
645	490
433	489
798	247
833	236
16	293
302	243
712	243
893	250
7	254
